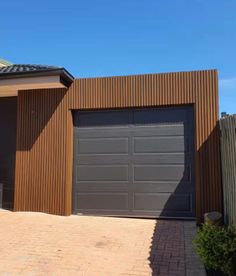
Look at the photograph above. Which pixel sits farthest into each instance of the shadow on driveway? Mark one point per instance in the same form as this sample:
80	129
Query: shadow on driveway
167	255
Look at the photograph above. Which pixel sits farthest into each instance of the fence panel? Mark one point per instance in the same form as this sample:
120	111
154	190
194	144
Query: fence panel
228	161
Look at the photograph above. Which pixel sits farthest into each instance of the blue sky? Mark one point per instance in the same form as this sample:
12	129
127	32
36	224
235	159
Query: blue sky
122	37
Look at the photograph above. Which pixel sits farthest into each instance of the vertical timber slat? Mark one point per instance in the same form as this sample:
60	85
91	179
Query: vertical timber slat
44	144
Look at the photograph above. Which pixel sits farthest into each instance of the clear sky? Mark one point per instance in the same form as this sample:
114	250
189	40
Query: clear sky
123	37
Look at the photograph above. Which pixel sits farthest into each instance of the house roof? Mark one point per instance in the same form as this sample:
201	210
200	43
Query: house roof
33	70
21	68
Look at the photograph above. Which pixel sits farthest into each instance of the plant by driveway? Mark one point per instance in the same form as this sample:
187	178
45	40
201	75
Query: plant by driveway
216	247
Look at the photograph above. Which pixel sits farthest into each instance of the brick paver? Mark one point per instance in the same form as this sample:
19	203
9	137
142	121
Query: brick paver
41	244
167	253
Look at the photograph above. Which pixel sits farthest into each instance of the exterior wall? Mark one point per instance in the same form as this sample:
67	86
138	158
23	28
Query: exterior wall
40	175
44	162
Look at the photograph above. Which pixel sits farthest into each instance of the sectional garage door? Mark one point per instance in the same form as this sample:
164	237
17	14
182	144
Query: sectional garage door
136	162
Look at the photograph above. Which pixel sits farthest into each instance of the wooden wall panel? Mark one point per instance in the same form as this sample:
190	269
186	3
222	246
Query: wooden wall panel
143	90
199	88
41	153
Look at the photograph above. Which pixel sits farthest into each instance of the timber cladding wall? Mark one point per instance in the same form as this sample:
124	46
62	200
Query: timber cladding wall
45	131
40	157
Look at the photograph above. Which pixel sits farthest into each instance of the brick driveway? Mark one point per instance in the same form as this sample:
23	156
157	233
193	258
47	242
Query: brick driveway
40	244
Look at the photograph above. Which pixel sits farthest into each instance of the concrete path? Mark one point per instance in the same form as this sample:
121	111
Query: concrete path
41	244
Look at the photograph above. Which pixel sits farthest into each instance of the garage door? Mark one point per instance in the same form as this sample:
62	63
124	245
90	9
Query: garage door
134	162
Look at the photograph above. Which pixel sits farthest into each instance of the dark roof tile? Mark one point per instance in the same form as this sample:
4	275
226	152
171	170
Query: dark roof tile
24	68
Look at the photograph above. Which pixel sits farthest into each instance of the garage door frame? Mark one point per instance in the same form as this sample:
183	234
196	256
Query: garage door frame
187	106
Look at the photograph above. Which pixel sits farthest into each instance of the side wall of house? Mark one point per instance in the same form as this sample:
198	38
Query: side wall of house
45	131
40	176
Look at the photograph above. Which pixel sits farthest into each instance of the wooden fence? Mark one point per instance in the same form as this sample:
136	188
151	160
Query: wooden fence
228	161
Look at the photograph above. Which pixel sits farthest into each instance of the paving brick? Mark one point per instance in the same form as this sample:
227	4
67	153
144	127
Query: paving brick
41	244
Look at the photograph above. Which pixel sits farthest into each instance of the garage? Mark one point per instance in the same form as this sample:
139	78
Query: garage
134	162
142	145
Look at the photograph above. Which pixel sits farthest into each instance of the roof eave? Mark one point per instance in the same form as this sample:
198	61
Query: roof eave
62	72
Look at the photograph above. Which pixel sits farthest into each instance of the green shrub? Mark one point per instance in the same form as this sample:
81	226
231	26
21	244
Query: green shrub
216	247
